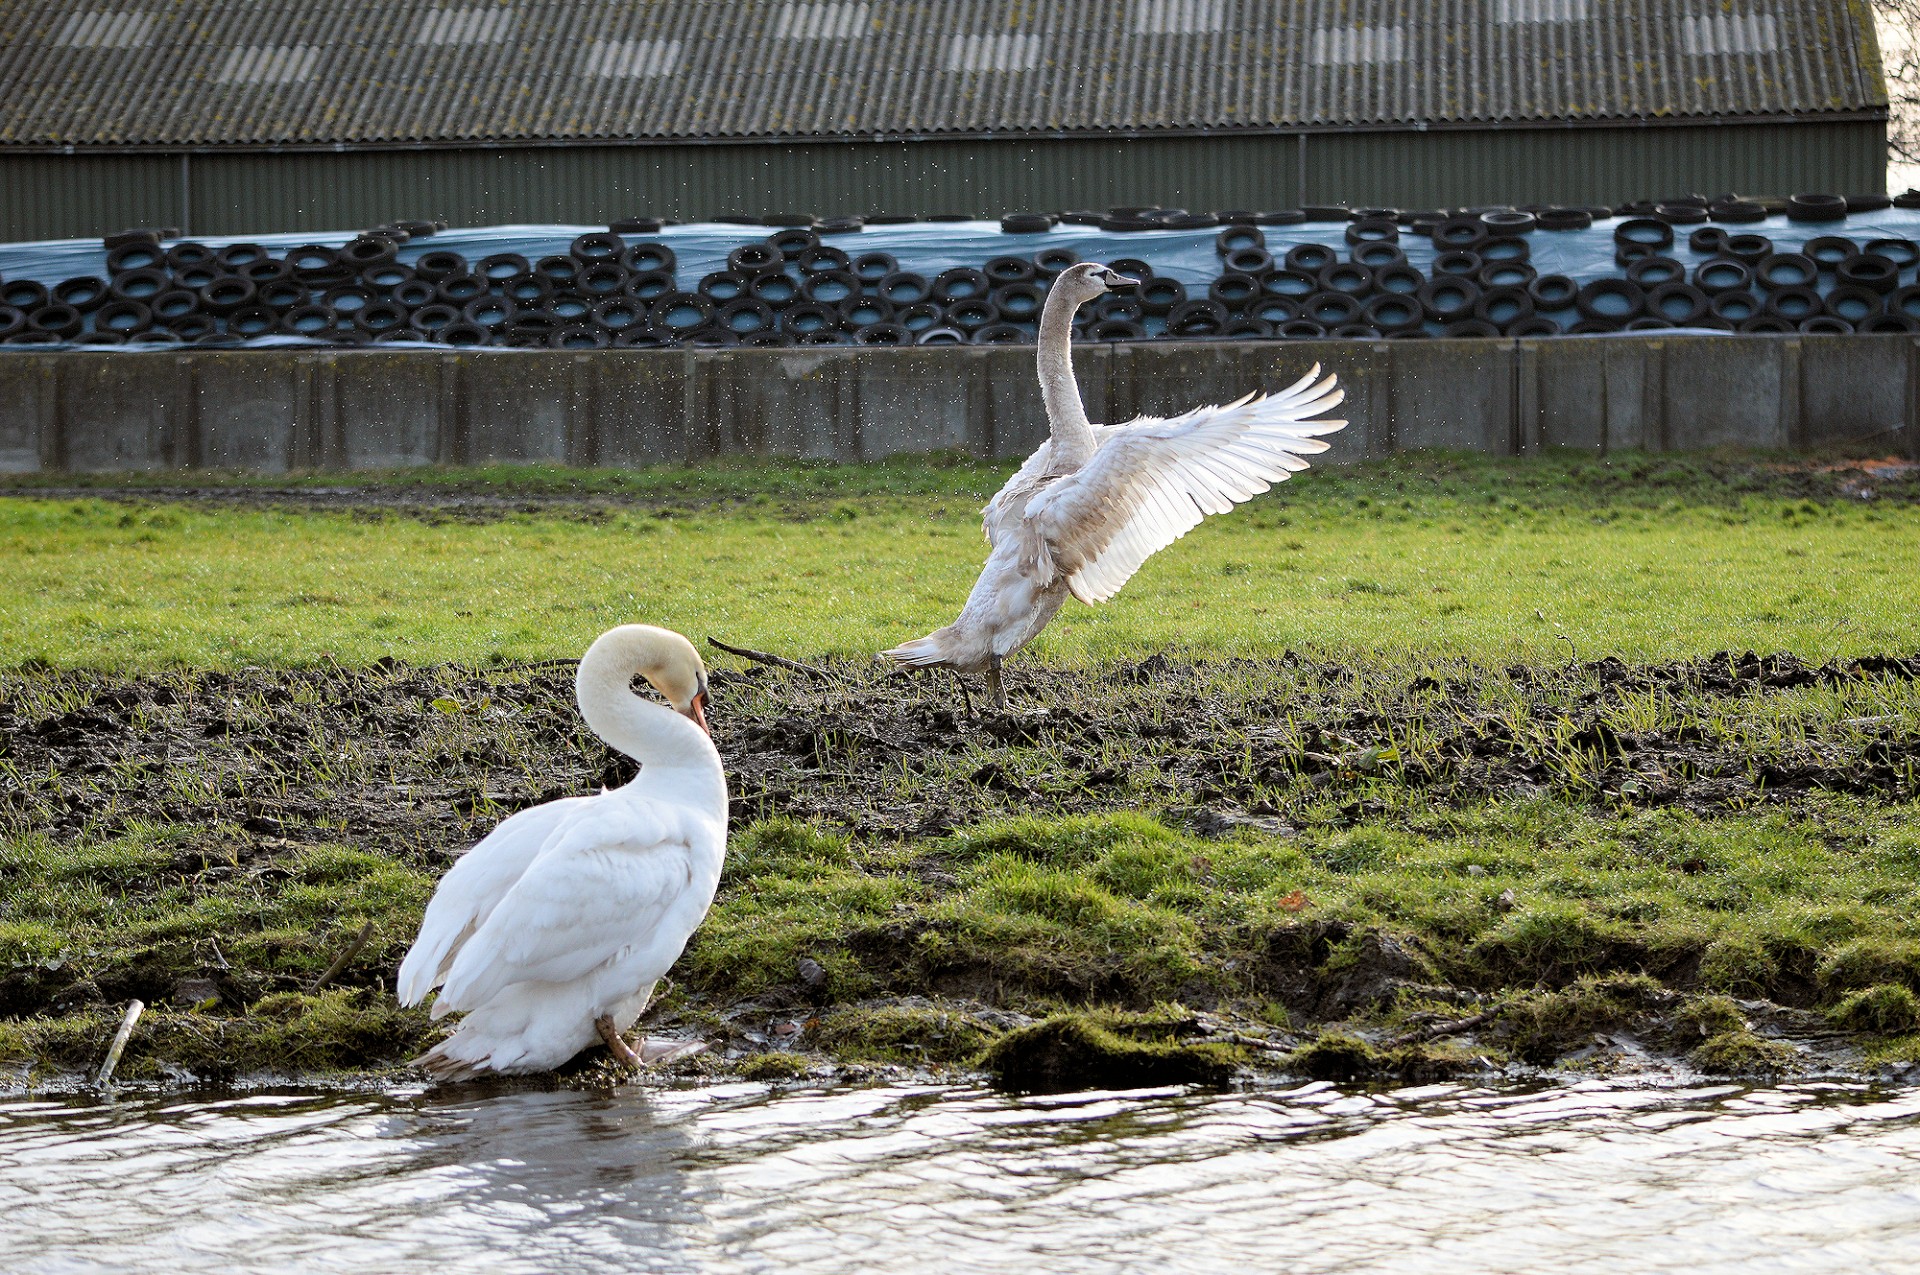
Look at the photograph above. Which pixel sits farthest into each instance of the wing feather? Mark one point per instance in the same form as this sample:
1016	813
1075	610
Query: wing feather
1154	479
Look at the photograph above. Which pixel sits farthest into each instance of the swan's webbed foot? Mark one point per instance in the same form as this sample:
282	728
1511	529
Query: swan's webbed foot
621	1051
659	1049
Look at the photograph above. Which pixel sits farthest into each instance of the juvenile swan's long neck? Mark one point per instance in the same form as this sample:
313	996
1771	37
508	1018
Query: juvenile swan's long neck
655	736
1073	442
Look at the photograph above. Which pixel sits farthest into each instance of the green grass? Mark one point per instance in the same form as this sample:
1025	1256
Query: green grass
1497	562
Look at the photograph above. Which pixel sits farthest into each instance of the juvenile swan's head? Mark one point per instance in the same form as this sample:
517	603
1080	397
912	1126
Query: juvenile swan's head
1084	282
667	660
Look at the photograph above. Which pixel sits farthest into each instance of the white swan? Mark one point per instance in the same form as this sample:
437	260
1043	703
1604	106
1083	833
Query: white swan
554	929
1094	502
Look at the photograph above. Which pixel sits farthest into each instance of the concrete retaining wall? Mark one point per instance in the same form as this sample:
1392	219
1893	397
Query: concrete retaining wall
273	410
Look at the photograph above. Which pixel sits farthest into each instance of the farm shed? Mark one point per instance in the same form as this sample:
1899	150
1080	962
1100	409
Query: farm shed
232	116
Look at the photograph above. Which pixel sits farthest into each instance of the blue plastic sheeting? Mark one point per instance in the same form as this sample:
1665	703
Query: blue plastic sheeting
930	247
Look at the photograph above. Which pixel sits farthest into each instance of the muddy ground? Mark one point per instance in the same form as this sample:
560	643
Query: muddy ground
413	764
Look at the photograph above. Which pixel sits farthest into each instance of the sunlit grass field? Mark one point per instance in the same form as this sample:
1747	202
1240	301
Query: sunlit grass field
1500	561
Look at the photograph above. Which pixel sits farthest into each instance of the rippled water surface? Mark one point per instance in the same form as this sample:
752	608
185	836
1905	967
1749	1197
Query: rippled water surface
1589	1178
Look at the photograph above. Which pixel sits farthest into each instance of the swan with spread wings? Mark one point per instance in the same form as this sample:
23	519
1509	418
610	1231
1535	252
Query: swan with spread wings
1095	501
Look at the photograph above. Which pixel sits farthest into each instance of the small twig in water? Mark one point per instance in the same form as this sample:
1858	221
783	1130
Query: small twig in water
1434	1031
119	1042
340	962
778	661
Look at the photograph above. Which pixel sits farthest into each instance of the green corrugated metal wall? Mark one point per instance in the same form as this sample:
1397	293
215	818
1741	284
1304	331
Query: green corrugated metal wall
55	196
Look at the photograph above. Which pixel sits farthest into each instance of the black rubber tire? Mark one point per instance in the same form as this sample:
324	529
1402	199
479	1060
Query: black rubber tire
651	285
1049	262
1026	224
358	254
1626	254
191	253
1159	294
1401	279
1377	256
1828	251
678	313
841	225
232	292
1825	325
1372	231
882	334
1553	293
1000	334
617	314
754	259
458	289
1854	304
723	286
1903	253
1564	219
1393	312
195	278
1274	311
1793	304
1459	264
752	340
532	288
1300	330
871	267
941	336
644	258
1737	212
1766	323
84	293
1449	297
260	320
124	317
1646	232
1611	300
1332	309
1506	274
830	287
1888	323
135	256
1245	329
320	323
863	311
1786	270
1001	270
1022	302
1709	241
1533	325
1255	263
155	336
1905	301
1346	276
197	327
345	300
1233	290
1503	307
597	246
1868	203
774	288
581	336
961	283
1306	258
920	316
533	327
463	335
1874	273
272	271
382	278
139	285
1469	328
1459	234
903	288
1514	250
824	259
1680	214
804	317
744	315
1508	223
1289	283
501	266
1680	304
381	316
175	304
1190	317
970	314
412	294
437	265
489	311
1816	208
1646	323
120	238
790	243
1750	250
1722	274
1651	272
1237	236
421	229
1735	306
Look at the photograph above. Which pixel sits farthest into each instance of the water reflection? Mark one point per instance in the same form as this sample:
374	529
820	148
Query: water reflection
1440	1178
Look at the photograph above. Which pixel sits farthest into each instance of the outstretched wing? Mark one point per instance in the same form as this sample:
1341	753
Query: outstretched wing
610	881
472	888
1153	480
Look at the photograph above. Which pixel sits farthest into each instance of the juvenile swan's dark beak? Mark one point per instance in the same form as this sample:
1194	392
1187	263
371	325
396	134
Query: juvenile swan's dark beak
1121	281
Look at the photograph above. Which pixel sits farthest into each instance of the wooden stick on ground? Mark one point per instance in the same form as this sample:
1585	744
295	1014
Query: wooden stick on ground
778	661
340	962
119	1045
1434	1031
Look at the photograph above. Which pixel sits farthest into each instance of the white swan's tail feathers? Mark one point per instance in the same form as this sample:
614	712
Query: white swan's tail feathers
926	652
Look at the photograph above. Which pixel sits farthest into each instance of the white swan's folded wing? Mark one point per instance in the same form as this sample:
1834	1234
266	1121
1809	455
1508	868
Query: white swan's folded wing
1153	480
602	887
1003	513
472	888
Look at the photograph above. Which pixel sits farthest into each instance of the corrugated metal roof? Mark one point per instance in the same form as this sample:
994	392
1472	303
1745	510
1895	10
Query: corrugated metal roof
398	72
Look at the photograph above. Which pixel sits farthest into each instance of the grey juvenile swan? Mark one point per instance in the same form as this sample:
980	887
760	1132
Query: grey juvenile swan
1095	501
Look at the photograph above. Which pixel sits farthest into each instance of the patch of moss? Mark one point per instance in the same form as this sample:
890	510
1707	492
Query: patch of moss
1887	1009
1741	1053
919	1033
773	1066
1869	961
1539	1028
1703	1016
1077	1051
1337	1057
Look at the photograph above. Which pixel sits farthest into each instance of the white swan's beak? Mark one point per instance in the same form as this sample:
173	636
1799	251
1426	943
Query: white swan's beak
696	710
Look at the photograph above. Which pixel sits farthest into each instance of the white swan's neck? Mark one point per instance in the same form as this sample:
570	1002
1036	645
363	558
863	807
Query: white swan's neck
656	736
1073	441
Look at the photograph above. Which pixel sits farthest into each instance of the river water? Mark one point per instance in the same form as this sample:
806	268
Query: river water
1589	1177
